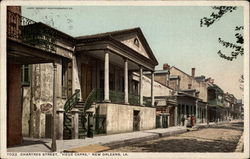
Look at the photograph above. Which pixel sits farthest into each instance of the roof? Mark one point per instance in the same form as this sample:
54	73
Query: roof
180	71
111	35
174	77
156	72
161	71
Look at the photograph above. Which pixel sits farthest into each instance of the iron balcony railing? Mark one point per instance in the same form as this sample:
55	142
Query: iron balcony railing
147	101
117	97
215	102
30	32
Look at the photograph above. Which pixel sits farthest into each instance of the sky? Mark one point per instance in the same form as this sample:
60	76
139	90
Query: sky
173	33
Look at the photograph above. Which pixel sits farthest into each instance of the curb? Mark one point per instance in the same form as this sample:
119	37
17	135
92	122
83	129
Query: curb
240	144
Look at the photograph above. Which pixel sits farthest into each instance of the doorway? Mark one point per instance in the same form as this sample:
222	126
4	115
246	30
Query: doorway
86	80
136	120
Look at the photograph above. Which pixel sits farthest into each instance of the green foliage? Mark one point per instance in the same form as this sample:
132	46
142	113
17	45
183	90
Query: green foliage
237	47
215	16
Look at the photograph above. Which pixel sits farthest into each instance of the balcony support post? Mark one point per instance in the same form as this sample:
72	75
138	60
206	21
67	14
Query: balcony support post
126	81
152	89
106	78
140	85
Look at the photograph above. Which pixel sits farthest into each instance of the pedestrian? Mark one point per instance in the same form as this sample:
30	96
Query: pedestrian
189	125
182	120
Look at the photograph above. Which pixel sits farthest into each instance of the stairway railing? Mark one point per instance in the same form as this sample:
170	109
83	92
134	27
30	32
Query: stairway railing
72	101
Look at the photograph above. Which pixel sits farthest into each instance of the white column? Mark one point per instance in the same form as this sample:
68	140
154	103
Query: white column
126	81
106	78
141	96
60	113
152	89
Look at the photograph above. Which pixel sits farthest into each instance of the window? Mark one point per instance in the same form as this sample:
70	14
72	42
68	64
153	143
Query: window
136	42
25	75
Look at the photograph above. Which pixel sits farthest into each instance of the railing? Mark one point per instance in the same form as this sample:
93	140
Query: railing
215	102
147	101
99	95
15	22
72	101
133	99
116	96
100	124
30	32
173	98
92	97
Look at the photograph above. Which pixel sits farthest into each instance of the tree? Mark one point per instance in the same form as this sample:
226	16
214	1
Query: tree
237	47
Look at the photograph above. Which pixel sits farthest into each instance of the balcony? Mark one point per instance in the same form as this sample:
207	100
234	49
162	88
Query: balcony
27	31
215	102
118	97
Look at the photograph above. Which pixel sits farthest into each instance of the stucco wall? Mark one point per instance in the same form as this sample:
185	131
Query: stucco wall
41	98
161	78
26	111
159	89
185	80
120	117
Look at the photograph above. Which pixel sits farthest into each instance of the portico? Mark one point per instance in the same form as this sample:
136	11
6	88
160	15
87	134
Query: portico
112	54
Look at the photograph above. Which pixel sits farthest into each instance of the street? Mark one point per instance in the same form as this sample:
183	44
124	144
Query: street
222	138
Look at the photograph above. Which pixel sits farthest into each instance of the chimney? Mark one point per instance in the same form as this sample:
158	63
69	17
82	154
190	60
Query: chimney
166	66
193	72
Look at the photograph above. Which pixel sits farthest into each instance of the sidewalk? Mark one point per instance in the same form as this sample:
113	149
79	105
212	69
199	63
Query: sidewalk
43	145
101	142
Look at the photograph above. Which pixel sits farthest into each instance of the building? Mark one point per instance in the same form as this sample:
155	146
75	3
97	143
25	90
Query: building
102	75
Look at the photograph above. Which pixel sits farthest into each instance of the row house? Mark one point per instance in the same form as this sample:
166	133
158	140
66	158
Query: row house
234	107
188	95
52	76
195	96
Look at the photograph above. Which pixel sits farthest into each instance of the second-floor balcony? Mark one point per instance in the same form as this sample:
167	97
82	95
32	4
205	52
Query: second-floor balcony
216	102
27	31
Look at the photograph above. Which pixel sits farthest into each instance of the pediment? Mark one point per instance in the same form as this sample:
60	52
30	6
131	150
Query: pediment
133	41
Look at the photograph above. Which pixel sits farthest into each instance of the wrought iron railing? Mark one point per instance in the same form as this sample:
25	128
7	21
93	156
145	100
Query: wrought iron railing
215	102
100	124
116	96
30	32
133	99
72	101
15	22
147	101
173	98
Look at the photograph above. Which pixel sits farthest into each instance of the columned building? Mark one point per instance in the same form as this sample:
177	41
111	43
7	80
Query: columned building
101	75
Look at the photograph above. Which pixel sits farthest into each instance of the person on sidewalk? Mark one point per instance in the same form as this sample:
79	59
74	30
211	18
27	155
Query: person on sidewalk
182	120
189	125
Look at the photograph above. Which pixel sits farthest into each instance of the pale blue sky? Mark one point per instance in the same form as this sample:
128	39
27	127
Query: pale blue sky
173	33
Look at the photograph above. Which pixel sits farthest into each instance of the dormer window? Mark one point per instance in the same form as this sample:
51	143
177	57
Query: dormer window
136	42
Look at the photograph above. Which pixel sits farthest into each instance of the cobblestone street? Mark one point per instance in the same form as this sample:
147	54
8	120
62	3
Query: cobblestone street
220	138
